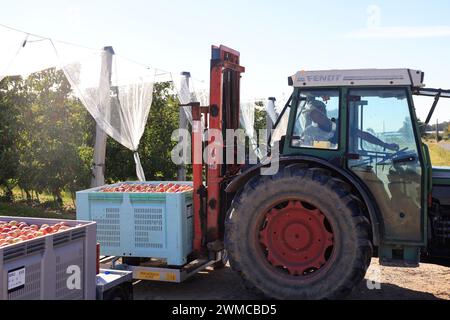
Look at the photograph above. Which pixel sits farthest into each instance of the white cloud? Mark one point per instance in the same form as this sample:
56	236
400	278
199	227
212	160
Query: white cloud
400	32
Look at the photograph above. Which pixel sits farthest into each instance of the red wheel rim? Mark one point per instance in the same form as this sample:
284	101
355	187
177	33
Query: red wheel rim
296	238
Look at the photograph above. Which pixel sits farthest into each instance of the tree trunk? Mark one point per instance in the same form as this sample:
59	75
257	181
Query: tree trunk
29	197
73	196
59	200
9	194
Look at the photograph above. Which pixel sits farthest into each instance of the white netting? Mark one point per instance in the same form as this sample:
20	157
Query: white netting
118	97
184	94
200	91
279	104
247	119
12	43
190	90
270	109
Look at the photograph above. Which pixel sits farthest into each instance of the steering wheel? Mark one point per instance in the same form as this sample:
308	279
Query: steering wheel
391	156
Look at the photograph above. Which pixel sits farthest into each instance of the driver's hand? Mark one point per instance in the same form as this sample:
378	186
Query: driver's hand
392	146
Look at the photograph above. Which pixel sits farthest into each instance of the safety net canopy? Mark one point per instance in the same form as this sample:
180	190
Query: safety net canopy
116	91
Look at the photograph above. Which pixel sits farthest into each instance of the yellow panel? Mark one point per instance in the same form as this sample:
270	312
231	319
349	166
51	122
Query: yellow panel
322	144
148	275
170	276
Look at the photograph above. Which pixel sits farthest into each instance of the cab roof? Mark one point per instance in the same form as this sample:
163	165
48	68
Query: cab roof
358	77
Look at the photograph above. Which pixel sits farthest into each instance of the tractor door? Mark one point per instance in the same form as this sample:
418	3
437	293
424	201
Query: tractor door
383	153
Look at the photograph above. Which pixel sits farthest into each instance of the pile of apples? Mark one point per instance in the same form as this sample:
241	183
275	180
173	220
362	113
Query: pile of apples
150	188
14	232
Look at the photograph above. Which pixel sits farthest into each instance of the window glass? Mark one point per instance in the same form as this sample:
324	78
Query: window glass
317	120
380	121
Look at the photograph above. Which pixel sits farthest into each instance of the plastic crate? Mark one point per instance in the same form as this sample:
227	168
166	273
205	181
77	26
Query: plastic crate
47	263
151	225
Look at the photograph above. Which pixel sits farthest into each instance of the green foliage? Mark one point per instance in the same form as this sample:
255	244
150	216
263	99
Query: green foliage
52	134
8	137
447	132
260	116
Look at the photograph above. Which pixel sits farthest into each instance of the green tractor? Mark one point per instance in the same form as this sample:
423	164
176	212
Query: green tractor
354	181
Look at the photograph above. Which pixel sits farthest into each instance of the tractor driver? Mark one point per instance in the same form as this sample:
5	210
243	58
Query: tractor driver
318	127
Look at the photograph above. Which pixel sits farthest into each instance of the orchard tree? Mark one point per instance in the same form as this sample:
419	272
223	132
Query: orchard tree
9	96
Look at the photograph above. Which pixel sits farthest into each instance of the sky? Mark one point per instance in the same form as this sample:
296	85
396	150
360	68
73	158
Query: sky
275	38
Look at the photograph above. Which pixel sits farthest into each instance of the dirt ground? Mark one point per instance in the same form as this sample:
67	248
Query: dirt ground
427	282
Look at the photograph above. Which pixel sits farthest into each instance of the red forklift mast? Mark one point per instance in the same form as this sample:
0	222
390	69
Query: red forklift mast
223	113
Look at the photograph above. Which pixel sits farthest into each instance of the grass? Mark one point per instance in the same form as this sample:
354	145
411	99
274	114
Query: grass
439	156
21	209
45	208
45	197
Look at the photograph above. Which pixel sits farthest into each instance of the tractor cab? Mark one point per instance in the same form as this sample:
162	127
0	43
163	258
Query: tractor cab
363	122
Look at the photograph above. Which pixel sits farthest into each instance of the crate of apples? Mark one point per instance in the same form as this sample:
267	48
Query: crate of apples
14	232
148	188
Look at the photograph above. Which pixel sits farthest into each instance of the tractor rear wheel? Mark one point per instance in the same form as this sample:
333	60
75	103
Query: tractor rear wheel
299	234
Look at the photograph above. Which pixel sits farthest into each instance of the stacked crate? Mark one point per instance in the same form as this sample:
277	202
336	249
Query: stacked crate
60	266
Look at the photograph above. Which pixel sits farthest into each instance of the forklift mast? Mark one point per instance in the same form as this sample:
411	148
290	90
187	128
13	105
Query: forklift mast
222	114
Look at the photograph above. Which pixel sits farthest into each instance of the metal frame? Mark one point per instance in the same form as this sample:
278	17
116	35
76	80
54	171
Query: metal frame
431	92
158	270
224	114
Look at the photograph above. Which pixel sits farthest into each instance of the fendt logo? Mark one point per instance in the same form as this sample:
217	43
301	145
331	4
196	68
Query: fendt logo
319	78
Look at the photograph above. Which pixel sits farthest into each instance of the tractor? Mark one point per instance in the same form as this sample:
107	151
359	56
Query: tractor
354	181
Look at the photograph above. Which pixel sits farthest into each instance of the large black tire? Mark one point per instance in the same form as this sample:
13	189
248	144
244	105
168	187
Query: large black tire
313	190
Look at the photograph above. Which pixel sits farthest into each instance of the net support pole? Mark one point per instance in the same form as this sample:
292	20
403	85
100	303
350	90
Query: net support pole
183	125
98	171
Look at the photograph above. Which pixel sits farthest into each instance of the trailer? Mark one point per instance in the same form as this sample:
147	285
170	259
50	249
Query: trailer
56	265
158	270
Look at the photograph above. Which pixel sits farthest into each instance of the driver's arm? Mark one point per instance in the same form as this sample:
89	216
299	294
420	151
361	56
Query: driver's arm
322	120
374	140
